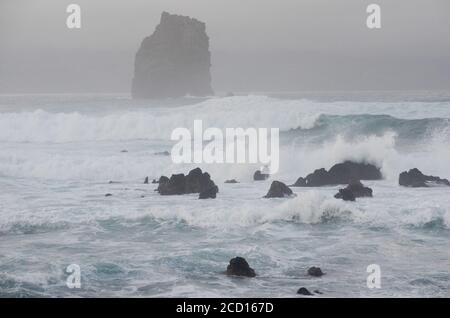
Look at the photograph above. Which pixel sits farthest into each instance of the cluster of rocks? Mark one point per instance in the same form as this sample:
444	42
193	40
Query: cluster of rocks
195	181
239	266
175	61
342	173
416	179
348	172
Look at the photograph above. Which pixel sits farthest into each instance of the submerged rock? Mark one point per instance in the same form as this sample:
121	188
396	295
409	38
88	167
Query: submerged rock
357	189
318	292
303	291
162	153
174	61
278	190
108	195
259	176
416	179
342	173
231	181
154	181
239	267
315	271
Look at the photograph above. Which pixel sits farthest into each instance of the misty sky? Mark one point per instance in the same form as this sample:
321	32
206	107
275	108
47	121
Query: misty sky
256	45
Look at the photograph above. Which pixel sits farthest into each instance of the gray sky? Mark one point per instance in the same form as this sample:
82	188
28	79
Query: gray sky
256	45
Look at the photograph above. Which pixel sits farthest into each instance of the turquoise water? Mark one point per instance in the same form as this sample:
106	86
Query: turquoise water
59	153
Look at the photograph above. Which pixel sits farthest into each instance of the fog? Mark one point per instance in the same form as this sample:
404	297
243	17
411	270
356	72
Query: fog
256	45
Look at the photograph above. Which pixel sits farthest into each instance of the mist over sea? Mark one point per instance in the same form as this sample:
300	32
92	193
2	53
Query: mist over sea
59	154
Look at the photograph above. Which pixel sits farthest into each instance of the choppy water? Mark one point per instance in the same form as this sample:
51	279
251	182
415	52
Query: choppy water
58	154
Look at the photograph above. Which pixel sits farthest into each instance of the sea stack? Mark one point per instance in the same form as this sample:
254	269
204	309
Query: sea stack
174	61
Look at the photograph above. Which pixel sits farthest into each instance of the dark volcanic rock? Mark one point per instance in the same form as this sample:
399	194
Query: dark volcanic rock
231	181
303	291
174	186
209	193
342	173
346	195
174	61
163	180
318	292
162	153
318	178
357	189
348	171
301	182
146	180
239	267
416	179
108	195
154	181
195	182
315	271
259	176
278	190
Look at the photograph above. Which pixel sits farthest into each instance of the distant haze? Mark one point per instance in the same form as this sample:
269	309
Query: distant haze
256	45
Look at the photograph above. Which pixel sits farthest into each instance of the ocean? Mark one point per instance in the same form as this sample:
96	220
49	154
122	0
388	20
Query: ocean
60	155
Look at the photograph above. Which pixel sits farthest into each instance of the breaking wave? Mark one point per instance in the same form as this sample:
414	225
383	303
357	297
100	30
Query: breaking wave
308	118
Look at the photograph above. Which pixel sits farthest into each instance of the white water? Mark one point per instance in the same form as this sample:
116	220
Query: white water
58	154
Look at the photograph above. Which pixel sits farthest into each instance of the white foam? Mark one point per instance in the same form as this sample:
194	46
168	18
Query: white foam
152	123
156	122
